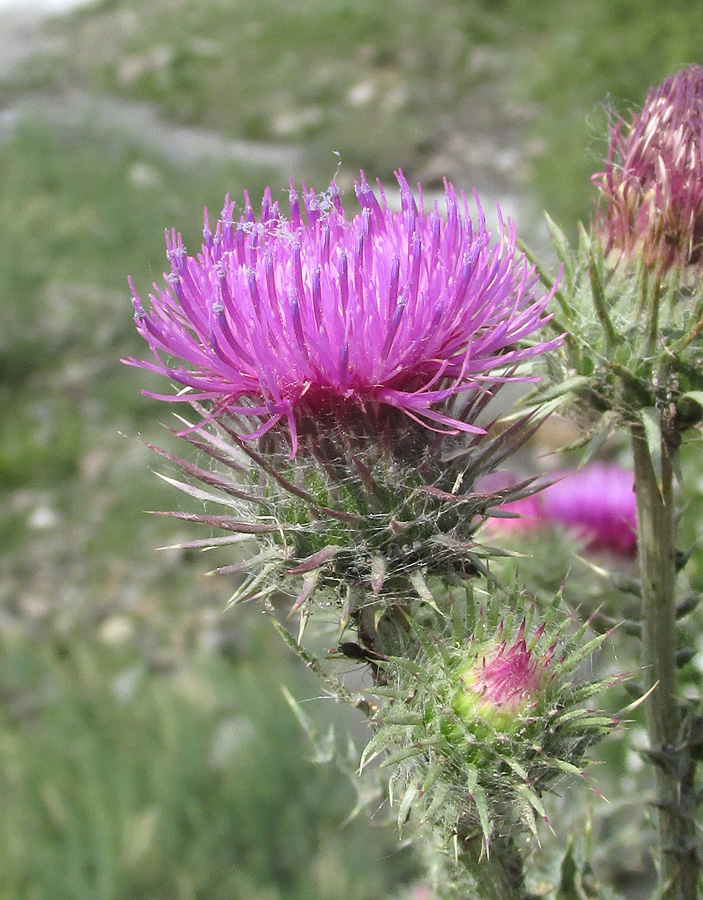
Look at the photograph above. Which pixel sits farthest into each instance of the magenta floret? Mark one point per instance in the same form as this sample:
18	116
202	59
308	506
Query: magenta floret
282	318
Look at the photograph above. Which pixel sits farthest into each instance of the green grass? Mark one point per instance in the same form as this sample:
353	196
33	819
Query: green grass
389	84
120	781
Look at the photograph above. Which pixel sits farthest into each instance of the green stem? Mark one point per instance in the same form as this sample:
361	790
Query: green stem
656	543
498	876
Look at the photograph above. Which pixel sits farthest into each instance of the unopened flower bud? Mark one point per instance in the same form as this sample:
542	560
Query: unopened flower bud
652	186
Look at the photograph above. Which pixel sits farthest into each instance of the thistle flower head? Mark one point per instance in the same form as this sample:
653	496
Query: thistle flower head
595	503
489	716
598	503
500	681
287	318
652	186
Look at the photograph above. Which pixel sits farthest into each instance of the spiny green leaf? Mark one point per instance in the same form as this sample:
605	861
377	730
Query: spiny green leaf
437	802
524	791
417	580
251	584
404	809
651	422
380	741
415	750
479	798
517	767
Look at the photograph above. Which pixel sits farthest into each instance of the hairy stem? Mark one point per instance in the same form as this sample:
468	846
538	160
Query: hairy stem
499	876
656	543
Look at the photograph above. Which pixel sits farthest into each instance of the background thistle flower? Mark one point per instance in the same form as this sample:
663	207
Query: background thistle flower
652	186
596	503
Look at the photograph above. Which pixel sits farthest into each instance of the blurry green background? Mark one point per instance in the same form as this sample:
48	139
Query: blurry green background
145	747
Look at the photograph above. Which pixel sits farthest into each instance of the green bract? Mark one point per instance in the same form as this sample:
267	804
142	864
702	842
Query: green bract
485	715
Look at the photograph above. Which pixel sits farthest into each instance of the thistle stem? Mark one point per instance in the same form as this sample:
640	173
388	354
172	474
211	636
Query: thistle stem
656	543
499	876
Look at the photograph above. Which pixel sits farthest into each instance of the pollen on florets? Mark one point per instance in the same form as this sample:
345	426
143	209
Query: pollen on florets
285	319
652	186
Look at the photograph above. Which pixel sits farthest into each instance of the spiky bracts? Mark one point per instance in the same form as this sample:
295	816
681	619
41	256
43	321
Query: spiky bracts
363	517
488	712
630	294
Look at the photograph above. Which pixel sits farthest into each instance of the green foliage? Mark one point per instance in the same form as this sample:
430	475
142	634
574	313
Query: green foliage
80	212
633	341
121	782
584	60
388	84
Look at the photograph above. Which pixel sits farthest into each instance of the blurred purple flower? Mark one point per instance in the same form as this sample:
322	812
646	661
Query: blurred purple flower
596	503
652	185
286	318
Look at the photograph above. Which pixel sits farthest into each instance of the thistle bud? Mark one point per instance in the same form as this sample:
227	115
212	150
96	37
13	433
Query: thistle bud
500	683
487	717
652	186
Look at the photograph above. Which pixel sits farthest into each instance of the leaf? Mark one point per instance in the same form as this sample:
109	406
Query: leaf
379	741
437	801
479	798
248	587
573	383
249	563
210	543
652	431
695	395
409	796
595	273
226	523
408	752
606	426
417	580
533	800
519	770
310	580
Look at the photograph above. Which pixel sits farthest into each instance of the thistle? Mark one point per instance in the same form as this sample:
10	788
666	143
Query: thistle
292	319
341	371
652	186
489	712
595	503
632	302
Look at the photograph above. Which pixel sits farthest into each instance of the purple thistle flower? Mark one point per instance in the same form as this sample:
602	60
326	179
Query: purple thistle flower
288	318
596	503
508	677
652	185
